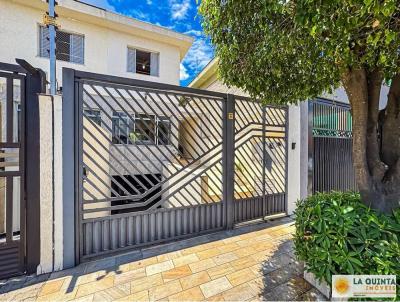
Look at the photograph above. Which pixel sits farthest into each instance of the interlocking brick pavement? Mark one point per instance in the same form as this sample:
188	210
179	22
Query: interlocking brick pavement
254	263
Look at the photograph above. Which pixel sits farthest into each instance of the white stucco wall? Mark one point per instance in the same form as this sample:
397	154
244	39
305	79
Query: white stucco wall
294	179
51	215
341	96
105	47
46	185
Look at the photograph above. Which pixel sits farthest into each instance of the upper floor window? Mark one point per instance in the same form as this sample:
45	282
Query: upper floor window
70	47
143	62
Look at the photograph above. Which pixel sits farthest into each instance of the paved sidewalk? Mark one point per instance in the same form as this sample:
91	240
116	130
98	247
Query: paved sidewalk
249	263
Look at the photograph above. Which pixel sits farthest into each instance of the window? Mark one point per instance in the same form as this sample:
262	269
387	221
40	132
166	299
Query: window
163	131
70	47
140	129
122	128
93	115
145	129
143	62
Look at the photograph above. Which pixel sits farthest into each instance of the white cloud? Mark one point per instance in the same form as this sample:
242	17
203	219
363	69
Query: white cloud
184	75
193	32
198	55
138	14
179	9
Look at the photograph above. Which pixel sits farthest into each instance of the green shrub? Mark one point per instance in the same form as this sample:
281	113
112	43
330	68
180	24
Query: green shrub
337	234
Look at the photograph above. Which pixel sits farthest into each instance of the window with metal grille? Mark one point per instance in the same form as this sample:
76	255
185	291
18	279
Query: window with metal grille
140	129
143	62
93	115
70	47
163	131
123	129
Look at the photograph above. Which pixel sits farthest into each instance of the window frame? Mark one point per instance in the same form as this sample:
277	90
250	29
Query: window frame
89	115
156	119
39	43
164	120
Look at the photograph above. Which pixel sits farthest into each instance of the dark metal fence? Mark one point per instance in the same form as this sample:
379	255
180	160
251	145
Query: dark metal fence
330	147
18	173
158	162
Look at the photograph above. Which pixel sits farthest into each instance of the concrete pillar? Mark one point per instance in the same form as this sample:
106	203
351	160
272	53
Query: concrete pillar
51	241
294	145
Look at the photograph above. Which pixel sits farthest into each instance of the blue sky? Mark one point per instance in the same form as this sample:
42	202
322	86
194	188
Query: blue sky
178	15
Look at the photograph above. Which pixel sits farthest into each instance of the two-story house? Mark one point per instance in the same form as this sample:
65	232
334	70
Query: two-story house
92	39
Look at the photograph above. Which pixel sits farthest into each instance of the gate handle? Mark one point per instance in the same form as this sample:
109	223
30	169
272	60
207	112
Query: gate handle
85	172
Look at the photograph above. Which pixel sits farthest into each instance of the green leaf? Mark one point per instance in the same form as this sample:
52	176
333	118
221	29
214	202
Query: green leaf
360	241
356	261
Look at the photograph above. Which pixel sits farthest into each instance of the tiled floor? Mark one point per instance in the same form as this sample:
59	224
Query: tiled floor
249	263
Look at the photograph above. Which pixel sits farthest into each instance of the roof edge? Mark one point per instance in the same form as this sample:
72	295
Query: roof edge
208	71
181	40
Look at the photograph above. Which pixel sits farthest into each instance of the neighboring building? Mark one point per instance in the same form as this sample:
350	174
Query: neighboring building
208	79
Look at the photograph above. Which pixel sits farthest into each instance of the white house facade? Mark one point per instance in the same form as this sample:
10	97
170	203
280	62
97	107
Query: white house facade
91	39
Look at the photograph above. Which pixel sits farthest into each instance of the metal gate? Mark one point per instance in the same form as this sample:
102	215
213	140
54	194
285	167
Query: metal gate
157	162
19	168
12	208
330	147
260	160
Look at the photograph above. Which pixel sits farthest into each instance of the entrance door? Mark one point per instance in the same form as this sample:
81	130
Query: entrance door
12	207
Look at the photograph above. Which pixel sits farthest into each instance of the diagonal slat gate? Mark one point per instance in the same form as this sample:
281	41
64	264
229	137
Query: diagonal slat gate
157	162
260	160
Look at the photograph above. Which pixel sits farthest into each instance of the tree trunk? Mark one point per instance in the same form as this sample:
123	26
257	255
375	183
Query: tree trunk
377	168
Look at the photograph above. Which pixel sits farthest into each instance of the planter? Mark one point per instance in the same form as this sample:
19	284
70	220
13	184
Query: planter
323	287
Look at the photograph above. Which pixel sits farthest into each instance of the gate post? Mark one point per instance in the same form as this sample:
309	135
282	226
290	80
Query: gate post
264	151
310	154
228	158
35	84
69	190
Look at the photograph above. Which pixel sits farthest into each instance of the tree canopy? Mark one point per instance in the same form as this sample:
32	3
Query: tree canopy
289	51
286	51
